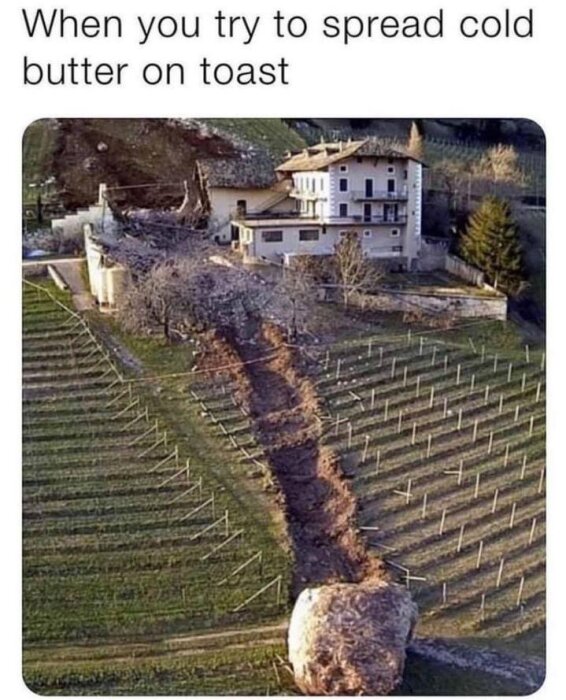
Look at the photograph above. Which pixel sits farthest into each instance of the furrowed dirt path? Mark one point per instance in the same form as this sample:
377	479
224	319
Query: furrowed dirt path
319	505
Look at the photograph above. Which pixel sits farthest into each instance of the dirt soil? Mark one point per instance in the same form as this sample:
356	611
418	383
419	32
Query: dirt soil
318	502
126	153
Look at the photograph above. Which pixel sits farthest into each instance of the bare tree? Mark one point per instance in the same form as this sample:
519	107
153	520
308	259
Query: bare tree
296	295
500	164
455	178
354	271
159	298
197	292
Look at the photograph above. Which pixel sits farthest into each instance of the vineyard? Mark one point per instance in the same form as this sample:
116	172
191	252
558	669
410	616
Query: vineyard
445	446
125	535
533	163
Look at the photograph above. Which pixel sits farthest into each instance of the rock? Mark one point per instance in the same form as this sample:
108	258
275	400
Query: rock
350	639
90	164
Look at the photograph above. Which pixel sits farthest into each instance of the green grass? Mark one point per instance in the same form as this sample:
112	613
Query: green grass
241	671
273	134
38	143
393	328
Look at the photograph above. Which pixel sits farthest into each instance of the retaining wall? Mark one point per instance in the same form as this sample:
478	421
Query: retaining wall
457	305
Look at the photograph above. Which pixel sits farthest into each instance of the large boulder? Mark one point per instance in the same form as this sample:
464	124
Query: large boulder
350	638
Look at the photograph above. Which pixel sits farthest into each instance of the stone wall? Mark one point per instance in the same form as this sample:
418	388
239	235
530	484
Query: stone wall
457	305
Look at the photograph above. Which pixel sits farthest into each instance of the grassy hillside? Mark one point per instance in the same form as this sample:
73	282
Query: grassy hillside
272	134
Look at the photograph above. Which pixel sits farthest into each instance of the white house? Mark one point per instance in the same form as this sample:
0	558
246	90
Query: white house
231	187
360	187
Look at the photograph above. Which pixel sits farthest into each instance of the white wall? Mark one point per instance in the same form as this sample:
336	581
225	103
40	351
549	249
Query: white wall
95	267
304	181
223	205
357	174
378	243
107	283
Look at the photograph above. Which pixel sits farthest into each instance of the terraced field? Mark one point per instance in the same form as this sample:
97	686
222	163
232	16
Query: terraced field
126	537
445	446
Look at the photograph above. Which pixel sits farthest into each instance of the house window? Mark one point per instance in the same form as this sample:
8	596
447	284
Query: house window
391	169
343	184
395	233
313	181
367	233
272	236
343	168
405	174
308	235
367	212
343	209
241	207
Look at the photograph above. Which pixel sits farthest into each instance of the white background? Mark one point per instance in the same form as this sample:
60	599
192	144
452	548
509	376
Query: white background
370	78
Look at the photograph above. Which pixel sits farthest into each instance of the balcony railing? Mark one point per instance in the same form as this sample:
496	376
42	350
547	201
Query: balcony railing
239	215
307	194
378	196
400	219
361	219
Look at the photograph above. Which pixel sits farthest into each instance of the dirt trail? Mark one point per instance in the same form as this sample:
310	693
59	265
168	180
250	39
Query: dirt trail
320	508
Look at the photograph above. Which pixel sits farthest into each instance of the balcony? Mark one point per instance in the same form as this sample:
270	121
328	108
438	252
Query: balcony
307	194
379	196
240	215
400	219
359	219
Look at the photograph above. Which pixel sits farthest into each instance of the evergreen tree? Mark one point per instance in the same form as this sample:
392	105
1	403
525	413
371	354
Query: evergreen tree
491	243
415	145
